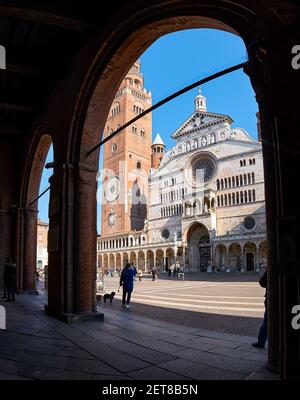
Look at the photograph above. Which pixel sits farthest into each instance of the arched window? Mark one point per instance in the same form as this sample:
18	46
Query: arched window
245	179
225	183
237	181
250	162
249	195
134	129
218	184
233	181
253	177
142	132
218	201
233	198
242	197
241	163
225	199
249	179
222	202
114	148
237	198
229	199
245	196
138	165
253	161
244	163
241	180
222	184
229	182
253	195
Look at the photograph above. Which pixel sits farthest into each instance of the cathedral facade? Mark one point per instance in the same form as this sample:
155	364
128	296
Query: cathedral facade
201	202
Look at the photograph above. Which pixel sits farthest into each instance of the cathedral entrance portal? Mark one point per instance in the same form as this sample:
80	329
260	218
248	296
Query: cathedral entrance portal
199	248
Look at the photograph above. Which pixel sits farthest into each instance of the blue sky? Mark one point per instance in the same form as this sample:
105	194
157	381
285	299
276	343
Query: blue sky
177	60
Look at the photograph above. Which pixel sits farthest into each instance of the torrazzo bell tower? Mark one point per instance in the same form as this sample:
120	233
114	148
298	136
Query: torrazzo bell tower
127	158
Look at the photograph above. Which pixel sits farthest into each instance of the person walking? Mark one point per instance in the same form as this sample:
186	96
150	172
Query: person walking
263	331
126	281
154	273
11	281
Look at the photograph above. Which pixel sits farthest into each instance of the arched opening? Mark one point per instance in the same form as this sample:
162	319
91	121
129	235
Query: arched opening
150	260
235	257
141	264
199	247
250	256
137	44
33	235
159	255
220	257
262	255
170	257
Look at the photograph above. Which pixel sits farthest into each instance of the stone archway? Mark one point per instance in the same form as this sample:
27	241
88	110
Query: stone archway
112	265
250	256
118	262
125	259
170	257
141	264
159	255
235	257
262	255
126	46
133	258
198	247
105	263
221	257
149	260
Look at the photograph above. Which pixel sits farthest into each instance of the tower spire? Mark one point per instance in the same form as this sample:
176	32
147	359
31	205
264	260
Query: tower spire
200	102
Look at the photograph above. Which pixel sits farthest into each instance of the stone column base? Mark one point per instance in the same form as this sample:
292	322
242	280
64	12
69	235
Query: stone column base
72	318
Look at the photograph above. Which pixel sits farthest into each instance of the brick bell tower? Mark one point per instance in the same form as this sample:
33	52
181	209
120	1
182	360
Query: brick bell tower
127	158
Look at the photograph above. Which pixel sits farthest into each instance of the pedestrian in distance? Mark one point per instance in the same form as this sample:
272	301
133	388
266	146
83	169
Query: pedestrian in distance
263	331
140	274
154	273
126	281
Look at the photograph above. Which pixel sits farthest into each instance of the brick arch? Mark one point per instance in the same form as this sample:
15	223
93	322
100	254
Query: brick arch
27	238
99	81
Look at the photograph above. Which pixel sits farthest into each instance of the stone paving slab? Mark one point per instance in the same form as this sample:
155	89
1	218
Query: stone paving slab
197	371
156	373
141	352
234	364
154	344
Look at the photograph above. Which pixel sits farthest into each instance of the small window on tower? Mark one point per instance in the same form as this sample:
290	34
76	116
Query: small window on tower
138	165
114	148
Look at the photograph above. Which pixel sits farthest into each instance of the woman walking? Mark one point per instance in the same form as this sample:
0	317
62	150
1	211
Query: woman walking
126	280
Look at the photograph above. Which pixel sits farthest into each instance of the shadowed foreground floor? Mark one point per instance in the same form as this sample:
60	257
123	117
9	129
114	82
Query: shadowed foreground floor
124	346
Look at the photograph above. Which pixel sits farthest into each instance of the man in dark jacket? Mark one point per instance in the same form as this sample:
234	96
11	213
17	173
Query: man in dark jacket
126	281
263	331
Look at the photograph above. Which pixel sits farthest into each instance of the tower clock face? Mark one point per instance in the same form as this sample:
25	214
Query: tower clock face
112	189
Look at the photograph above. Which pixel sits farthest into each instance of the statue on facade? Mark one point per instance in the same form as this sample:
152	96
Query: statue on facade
145	224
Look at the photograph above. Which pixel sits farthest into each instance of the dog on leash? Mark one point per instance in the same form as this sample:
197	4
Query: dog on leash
107	296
